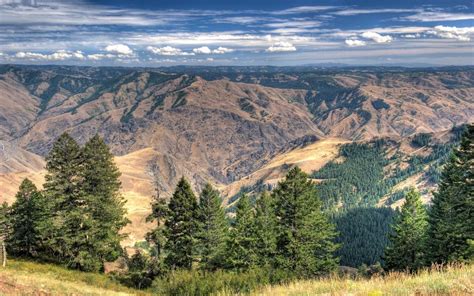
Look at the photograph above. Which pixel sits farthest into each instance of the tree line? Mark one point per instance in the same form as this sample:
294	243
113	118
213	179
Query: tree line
285	232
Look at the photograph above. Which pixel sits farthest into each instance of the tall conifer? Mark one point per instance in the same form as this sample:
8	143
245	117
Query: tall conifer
181	227
265	229
105	204
26	216
305	236
407	242
213	228
159	212
241	245
65	198
451	216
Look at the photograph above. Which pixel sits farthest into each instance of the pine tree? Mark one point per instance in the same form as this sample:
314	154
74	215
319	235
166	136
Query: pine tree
265	229
181	227
27	213
72	222
213	228
4	221
105	204
240	251
159	212
451	217
305	236
407	242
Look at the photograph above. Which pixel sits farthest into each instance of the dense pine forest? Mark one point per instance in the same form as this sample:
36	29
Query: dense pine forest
291	232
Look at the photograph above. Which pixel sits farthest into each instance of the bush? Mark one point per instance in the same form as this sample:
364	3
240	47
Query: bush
184	282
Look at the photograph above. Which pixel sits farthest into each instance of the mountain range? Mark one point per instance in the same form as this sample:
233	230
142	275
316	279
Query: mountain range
236	127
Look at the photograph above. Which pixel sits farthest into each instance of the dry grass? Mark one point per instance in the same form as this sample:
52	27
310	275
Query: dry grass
30	278
449	281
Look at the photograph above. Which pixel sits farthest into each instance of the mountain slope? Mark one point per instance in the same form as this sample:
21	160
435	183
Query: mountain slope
239	130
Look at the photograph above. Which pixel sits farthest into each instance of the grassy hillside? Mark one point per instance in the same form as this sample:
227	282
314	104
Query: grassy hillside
453	281
28	278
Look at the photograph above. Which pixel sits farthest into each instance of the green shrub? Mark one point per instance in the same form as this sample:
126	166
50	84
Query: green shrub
185	282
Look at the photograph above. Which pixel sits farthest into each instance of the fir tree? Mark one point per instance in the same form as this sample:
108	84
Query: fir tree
181	227
265	229
407	242
156	237
5	226
240	251
105	204
451	217
305	236
73	228
26	214
213	228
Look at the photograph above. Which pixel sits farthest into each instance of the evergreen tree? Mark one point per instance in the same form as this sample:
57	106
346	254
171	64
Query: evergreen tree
241	245
407	242
181	227
305	236
105	204
156	237
65	200
26	214
213	228
5	226
451	217
265	229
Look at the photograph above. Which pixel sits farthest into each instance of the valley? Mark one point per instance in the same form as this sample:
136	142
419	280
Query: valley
240	129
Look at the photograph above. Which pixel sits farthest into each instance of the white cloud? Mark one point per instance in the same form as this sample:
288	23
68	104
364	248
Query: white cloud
60	55
222	50
461	34
210	59
355	42
412	36
119	49
100	56
304	9
371	11
281	47
202	50
438	16
377	37
168	51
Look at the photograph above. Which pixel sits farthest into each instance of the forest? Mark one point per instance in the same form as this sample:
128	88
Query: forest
291	232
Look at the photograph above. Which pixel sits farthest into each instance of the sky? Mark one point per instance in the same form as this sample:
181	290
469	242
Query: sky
243	32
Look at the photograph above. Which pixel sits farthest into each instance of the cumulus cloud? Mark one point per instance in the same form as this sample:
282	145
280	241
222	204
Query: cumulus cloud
119	49
461	34
374	36
202	50
60	55
281	47
355	42
100	56
222	50
168	51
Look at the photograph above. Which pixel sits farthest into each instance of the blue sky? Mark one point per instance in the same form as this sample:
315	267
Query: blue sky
244	32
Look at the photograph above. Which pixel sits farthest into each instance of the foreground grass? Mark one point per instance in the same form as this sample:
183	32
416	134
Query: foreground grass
30	278
449	281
